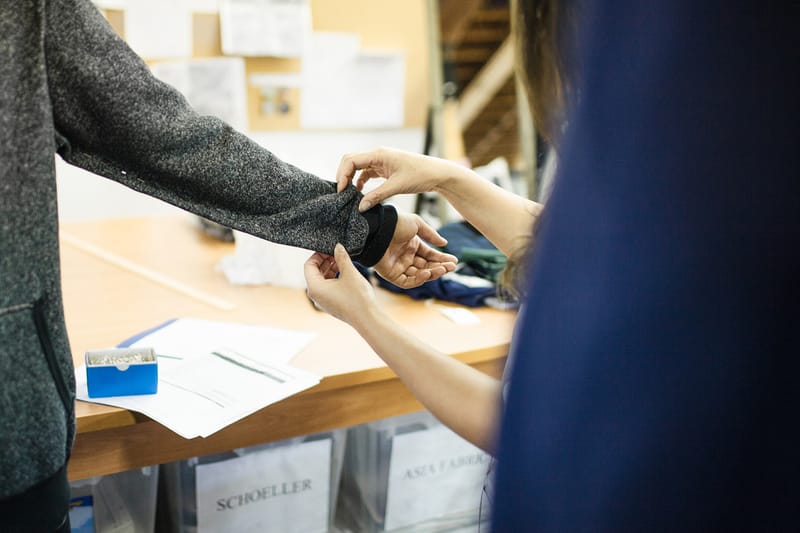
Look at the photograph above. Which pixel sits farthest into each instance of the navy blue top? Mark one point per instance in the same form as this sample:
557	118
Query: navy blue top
656	382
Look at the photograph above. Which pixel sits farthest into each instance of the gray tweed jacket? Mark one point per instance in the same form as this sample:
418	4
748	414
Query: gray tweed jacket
69	85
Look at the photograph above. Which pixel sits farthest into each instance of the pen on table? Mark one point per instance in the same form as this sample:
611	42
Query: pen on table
248	367
169	356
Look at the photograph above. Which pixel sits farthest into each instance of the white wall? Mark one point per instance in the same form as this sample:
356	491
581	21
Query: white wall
82	195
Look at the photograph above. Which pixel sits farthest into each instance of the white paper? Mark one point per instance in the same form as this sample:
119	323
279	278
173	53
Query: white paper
277	28
473	282
433	473
283	489
345	87
213	374
459	315
158	29
213	86
191	337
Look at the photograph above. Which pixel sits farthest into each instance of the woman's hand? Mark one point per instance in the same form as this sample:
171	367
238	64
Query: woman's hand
408	261
345	297
405	173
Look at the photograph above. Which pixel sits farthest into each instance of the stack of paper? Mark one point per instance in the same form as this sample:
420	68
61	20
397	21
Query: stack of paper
212	374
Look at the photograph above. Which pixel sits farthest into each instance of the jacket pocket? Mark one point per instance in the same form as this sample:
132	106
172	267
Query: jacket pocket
50	356
36	311
35	406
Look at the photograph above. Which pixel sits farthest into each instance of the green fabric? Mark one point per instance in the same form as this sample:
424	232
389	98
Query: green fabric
487	263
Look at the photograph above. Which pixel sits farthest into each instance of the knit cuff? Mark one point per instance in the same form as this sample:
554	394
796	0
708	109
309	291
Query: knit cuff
382	220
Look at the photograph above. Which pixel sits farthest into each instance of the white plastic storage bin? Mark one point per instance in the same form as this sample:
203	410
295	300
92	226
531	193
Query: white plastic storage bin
117	503
411	473
290	486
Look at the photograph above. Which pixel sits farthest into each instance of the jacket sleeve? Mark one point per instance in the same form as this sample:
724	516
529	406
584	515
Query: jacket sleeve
114	118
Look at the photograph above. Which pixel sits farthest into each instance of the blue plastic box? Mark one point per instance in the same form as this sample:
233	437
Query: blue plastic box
121	372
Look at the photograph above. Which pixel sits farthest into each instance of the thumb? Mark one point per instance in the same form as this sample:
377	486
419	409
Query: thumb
343	260
376	196
429	234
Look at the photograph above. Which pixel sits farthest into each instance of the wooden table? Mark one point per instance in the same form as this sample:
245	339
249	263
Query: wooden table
124	276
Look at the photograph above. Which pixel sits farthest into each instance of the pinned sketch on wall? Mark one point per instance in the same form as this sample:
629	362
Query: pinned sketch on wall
274	92
214	86
347	87
205	6
165	36
275	28
111	4
196	6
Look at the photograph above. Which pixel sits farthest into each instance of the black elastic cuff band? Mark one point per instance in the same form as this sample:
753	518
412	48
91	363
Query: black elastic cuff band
382	220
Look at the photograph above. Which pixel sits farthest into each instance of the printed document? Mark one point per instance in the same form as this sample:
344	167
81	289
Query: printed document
212	374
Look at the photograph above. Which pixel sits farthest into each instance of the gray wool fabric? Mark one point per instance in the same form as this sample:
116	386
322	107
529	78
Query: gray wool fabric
69	85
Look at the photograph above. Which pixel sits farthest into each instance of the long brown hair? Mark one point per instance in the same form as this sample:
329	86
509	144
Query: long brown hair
546	37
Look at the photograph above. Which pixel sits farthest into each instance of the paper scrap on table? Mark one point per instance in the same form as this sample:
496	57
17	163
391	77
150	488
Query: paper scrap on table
213	374
256	261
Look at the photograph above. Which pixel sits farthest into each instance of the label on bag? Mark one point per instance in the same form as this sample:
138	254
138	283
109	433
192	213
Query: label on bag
433	473
81	514
284	489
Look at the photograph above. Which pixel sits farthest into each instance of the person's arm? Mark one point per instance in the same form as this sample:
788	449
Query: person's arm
113	118
506	219
461	397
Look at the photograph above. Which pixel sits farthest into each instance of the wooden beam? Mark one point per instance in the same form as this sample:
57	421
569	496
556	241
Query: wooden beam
490	79
502	129
483	34
471	54
494	14
455	18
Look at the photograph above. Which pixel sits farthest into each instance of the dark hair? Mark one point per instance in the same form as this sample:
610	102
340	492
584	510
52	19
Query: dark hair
547	38
546	35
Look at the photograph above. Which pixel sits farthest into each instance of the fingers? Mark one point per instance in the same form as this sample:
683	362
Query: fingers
438	271
429	234
312	268
411	278
417	270
373	164
364	176
329	269
432	255
349	165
